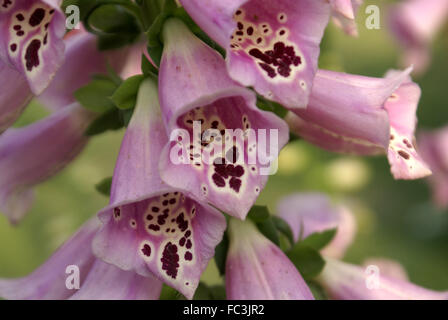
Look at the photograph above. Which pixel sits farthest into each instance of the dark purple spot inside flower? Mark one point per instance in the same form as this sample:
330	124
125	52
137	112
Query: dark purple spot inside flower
149	217
17	27
188	256
235	171
181	222
117	212
20	33
187	234
13	47
235	184
155	209
6	3
37	17
182	241
161	219
250	31
170	260
31	55
45	38
403	154
20	17
268	69
220	169
218	180
260	55
154	227
407	143
282	57
189	244
146	250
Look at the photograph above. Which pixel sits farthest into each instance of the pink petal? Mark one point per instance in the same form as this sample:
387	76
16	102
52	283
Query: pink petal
32	39
256	269
14	96
32	154
404	160
344	281
107	282
343	14
349	109
414	24
49	280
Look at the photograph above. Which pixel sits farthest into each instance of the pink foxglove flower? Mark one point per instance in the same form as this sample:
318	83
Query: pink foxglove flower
14	96
272	46
149	226
195	89
31	51
414	24
256	269
226	179
31	40
434	149
57	278
32	154
366	116
344	13
344	281
307	213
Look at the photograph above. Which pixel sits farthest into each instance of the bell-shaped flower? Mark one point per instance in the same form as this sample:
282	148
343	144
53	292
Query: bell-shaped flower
31	39
73	272
344	13
14	96
307	213
32	154
415	23
344	281
256	269
222	145
272	46
434	149
366	116
149	226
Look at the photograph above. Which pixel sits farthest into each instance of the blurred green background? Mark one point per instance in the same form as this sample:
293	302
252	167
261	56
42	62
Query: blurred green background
395	218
